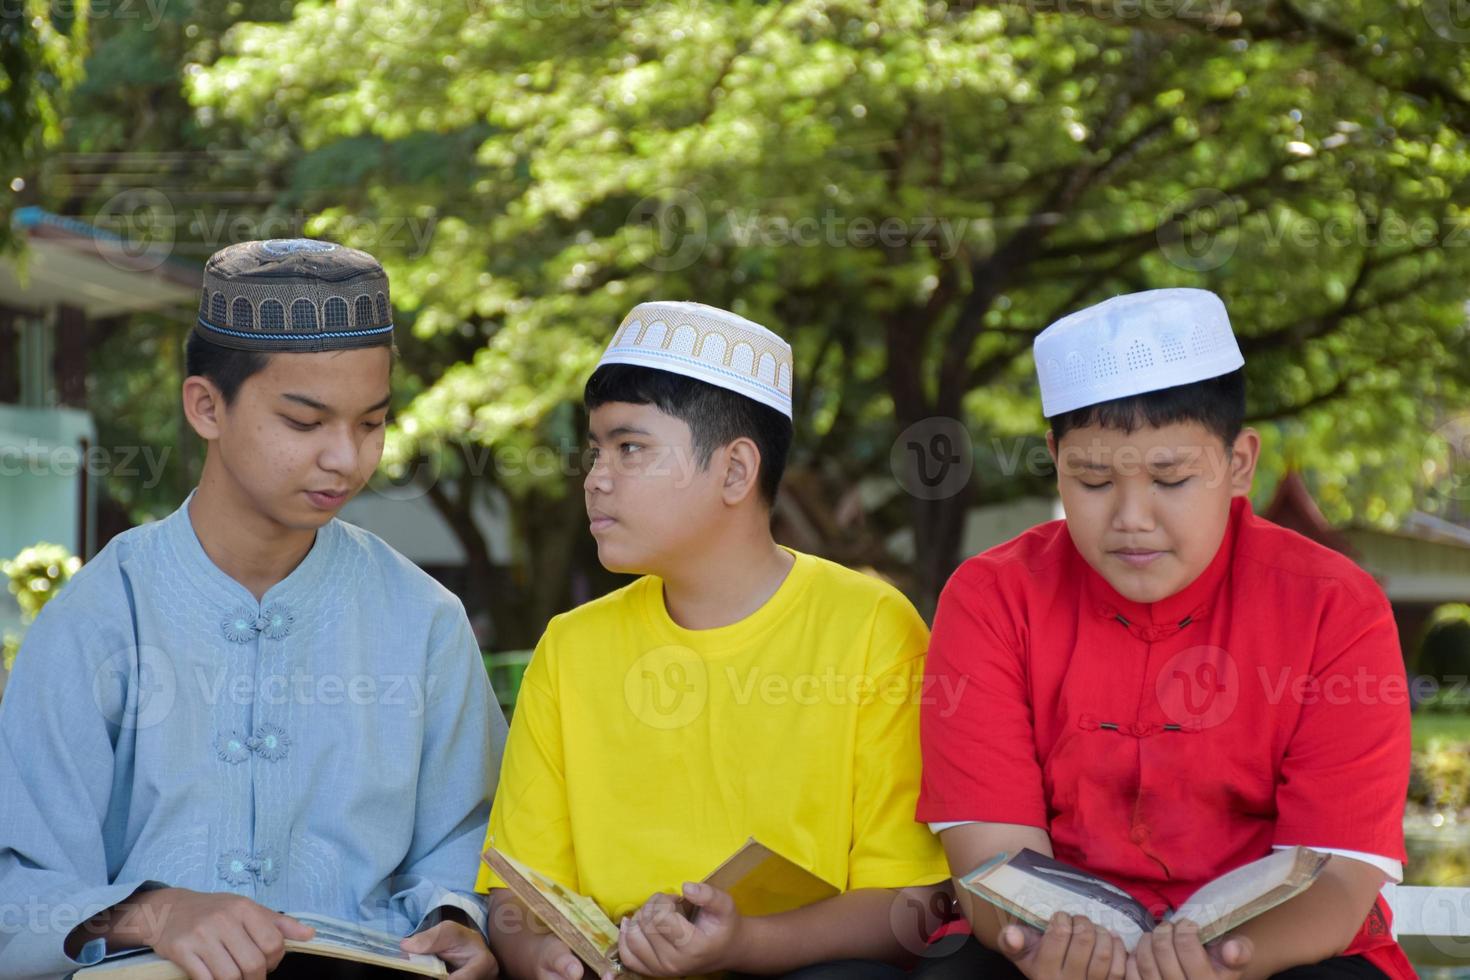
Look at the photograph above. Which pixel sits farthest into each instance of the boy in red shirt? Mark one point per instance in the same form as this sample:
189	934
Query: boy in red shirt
1164	686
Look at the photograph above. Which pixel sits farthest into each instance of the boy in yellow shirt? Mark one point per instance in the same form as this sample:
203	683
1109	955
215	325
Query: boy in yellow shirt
738	689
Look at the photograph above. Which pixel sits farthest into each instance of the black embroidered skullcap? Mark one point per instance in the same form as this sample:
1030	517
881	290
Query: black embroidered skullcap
294	294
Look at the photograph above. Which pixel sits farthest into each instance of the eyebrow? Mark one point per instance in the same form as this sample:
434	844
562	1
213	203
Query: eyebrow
622	430
1166	463
313	403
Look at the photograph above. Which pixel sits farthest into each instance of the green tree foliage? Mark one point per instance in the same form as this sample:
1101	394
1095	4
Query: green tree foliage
40	57
135	159
910	191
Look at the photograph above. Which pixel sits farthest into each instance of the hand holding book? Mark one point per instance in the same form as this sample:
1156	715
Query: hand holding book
1073	948
755	880
1070	947
461	946
1063	913
669	937
1032	887
331	946
1174	950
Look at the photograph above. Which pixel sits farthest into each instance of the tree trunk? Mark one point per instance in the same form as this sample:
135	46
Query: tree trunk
71	356
939	527
479	590
9	358
555	527
938	522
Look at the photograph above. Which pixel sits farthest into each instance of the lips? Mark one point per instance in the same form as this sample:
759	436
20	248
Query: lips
1137	557
328	499
599	522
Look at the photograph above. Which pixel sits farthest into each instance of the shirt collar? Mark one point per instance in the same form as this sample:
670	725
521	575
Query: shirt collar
302	581
1153	620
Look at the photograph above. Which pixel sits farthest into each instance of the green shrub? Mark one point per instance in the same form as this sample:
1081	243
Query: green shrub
35	575
506	669
1440	775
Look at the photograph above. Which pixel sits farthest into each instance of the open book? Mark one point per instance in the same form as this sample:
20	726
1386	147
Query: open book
760	881
1033	887
334	940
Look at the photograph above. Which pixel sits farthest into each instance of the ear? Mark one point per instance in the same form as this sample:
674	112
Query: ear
1244	455
1051	447
742	471
204	406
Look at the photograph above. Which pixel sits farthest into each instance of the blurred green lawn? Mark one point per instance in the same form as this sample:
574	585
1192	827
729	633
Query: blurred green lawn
1427	726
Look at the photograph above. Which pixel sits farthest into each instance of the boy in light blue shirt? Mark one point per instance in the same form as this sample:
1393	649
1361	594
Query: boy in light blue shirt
250	705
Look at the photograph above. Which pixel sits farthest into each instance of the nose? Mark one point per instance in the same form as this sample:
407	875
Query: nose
599	478
1134	512
342	454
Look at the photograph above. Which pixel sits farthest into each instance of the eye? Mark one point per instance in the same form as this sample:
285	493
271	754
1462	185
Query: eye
594	452
370	426
299	425
1170	486
1096	486
629	447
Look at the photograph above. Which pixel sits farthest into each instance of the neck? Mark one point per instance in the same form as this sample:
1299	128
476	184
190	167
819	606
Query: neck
246	545
730	579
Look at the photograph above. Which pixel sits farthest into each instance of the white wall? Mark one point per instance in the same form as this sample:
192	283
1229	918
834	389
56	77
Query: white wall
986	527
1413	570
411	525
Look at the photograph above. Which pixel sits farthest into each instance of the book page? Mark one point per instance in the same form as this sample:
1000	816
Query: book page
356	938
585	914
1034	887
139	964
334	939
1240	895
581	913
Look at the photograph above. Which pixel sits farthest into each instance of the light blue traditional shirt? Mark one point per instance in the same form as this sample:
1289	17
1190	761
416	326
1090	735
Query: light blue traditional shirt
329	749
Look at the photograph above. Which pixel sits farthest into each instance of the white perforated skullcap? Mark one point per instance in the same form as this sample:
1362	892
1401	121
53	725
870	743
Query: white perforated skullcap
1133	344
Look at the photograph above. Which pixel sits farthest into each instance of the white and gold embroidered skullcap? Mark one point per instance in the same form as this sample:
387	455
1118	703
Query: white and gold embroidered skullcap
708	344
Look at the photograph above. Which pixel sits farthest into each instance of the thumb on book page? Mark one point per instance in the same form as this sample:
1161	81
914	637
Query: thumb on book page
292	929
709	898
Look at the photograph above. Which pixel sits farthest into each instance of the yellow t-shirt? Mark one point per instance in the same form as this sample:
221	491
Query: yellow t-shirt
642	754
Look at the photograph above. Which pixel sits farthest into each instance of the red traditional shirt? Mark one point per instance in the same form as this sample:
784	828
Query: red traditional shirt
1163	744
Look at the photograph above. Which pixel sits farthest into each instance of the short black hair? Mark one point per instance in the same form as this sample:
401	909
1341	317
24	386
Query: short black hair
716	416
226	367
1218	404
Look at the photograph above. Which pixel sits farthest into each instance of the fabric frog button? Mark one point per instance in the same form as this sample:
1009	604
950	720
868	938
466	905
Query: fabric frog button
270	742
